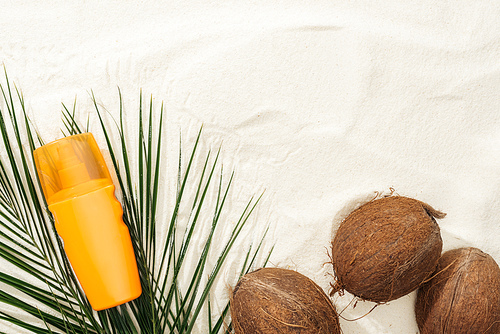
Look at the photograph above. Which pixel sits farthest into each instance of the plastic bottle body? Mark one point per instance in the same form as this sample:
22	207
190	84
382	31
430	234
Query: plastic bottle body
99	247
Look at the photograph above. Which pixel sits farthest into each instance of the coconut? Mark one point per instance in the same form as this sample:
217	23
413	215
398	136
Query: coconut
462	297
272	300
386	248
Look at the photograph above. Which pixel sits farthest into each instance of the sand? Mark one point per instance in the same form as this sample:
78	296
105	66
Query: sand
320	105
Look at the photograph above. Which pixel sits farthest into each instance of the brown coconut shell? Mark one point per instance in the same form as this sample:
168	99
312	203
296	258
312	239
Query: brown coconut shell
462	297
386	248
272	300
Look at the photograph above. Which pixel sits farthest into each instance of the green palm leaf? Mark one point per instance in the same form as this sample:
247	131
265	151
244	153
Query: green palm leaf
172	301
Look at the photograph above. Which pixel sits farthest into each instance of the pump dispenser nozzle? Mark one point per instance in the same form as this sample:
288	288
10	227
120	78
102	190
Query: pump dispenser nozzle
72	171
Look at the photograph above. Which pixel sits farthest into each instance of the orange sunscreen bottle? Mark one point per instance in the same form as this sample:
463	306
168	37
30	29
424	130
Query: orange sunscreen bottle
88	217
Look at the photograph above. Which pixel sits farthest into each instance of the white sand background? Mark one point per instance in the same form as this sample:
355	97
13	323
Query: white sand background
320	104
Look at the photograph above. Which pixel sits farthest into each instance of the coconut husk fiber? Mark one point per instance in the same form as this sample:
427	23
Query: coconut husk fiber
386	248
273	300
462	297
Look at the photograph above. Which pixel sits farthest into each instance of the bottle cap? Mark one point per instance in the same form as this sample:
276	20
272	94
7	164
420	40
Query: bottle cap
70	166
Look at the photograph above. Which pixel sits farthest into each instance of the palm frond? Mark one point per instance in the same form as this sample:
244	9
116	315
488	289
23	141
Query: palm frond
166	248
